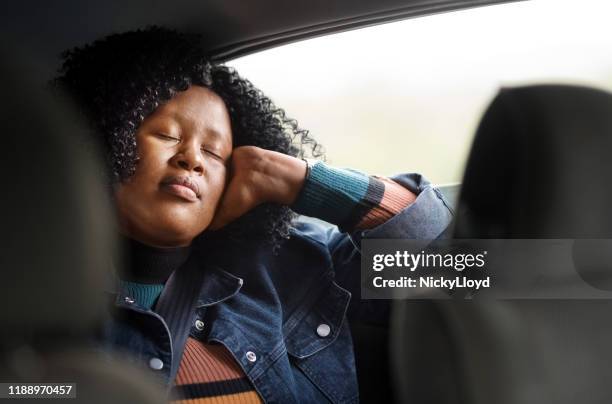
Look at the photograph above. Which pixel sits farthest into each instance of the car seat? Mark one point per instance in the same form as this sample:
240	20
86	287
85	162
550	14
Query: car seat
57	242
539	168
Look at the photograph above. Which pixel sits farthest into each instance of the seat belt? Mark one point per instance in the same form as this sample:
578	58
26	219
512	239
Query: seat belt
176	305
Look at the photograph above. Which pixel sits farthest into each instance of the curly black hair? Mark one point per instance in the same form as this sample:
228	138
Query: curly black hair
119	80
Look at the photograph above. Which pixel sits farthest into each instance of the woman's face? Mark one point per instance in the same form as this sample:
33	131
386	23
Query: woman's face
183	150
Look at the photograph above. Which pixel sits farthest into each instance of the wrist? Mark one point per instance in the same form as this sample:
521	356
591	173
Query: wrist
285	176
333	194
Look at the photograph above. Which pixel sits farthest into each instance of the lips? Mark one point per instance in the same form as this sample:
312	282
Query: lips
182	186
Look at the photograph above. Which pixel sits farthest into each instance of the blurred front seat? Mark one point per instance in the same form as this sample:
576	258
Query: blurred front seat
57	242
540	167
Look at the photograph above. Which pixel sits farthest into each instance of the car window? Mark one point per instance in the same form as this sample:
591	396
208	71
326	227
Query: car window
408	95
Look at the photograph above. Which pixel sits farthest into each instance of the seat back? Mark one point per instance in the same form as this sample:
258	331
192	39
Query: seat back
57	246
539	168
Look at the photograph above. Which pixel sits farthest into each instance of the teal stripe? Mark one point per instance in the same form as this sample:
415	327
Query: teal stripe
144	294
331	194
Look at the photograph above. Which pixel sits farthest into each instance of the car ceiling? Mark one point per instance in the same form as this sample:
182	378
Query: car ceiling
230	28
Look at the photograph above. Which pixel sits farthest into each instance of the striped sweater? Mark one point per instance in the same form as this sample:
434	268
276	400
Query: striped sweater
208	373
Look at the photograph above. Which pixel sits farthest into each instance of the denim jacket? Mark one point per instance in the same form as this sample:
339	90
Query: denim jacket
284	316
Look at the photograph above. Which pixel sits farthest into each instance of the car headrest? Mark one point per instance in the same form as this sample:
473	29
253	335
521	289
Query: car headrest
540	166
57	239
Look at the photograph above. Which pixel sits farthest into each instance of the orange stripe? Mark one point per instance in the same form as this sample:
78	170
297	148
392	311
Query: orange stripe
248	397
394	200
202	363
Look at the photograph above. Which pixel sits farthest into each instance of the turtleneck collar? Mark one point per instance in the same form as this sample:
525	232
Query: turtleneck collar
151	265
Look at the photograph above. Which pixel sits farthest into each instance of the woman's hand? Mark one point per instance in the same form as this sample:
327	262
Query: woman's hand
258	176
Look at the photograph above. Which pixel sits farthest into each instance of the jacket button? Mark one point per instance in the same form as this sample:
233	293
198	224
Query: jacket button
251	357
128	300
323	330
199	325
156	364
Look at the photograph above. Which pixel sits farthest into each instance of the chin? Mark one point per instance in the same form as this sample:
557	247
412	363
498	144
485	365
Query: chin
173	236
180	233
166	226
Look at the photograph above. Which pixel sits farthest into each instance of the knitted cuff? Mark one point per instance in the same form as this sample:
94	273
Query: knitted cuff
332	194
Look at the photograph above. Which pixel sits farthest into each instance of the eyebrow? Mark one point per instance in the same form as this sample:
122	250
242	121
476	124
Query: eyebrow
215	133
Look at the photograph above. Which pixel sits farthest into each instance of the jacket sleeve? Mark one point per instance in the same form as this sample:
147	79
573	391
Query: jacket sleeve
426	218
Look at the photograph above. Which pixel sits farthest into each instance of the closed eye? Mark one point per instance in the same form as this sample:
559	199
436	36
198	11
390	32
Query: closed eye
211	153
170	138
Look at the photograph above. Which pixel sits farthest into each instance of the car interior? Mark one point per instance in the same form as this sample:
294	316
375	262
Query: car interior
538	168
52	276
535	140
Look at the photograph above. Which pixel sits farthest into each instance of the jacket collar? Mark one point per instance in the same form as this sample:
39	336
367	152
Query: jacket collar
218	285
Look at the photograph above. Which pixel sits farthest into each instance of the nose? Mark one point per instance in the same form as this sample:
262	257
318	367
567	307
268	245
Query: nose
189	158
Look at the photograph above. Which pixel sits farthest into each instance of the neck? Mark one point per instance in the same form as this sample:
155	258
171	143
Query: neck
152	265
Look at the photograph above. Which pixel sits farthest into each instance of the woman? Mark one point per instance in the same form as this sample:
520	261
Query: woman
226	293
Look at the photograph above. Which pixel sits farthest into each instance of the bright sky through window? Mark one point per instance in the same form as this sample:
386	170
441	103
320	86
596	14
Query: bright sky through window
407	96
